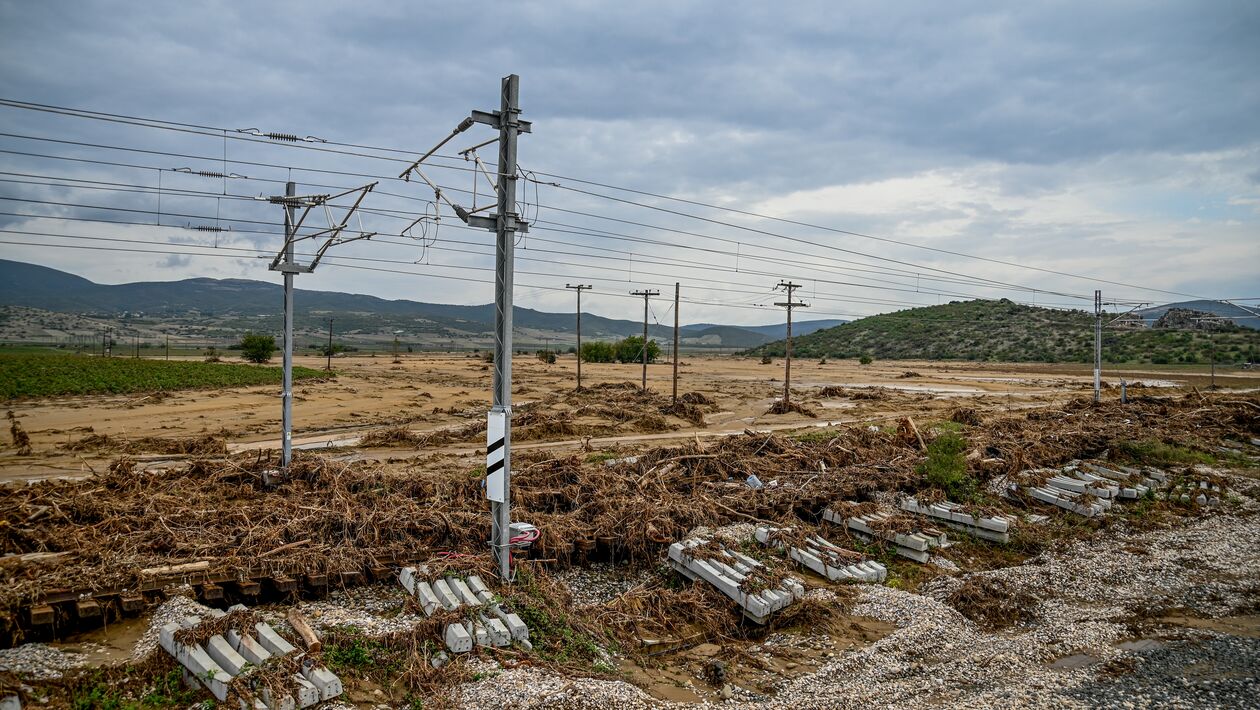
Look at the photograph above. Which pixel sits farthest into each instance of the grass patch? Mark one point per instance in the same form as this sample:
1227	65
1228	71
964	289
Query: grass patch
1154	452
355	654
96	691
946	467
557	635
28	375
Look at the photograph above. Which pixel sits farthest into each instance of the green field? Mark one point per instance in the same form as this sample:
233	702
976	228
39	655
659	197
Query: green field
33	375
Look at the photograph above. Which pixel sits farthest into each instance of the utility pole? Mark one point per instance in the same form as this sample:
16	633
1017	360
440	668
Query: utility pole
579	288
328	367
1097	346
286	388
674	397
1212	342
645	294
505	223
787	362
168	347
285	263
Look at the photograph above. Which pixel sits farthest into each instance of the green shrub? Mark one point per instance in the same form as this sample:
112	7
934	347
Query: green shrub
598	352
866	360
547	356
946	467
631	350
257	347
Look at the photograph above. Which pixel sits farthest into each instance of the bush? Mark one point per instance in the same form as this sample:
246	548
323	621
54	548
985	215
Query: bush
598	352
866	360
212	354
547	356
767	360
946	467
631	350
257	347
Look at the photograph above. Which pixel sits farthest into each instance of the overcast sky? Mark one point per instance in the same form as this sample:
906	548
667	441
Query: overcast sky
1112	140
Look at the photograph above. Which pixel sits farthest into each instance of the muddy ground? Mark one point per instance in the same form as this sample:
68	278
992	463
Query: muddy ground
1152	604
434	392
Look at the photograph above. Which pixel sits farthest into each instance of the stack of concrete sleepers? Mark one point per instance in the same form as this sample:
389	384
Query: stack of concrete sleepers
1079	502
1201	492
727	572
825	559
996	528
871	526
489	624
223	658
1130	482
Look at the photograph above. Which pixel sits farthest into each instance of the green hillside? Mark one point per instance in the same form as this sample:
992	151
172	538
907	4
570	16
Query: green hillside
1008	332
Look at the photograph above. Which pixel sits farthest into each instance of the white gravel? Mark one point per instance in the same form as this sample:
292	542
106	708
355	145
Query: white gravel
937	658
38	661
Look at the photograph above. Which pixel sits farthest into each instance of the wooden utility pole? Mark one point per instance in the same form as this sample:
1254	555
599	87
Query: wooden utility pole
328	367
579	288
675	358
645	295
787	362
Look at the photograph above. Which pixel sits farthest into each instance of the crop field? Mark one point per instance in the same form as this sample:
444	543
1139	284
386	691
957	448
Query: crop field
38	375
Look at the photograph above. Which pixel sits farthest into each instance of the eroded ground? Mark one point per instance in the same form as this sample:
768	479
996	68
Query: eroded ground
1153	604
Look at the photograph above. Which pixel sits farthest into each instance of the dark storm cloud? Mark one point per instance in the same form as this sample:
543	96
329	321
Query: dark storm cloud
740	100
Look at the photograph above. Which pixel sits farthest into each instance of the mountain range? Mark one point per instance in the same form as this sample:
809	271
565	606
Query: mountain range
223	308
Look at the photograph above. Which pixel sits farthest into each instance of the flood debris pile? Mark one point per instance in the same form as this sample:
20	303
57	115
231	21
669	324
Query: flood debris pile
110	539
605	409
204	445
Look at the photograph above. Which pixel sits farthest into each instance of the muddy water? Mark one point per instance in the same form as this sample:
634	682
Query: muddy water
108	645
755	665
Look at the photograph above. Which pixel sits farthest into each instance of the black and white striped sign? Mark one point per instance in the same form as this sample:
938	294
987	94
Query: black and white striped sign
496	428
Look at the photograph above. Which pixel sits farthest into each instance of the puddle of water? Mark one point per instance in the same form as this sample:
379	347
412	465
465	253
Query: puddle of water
1138	645
107	645
1076	660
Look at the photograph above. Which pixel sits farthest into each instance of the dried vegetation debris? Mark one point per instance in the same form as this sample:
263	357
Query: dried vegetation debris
605	409
333	516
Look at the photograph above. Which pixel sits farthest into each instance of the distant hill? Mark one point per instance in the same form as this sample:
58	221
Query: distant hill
224	307
1237	315
1005	331
777	330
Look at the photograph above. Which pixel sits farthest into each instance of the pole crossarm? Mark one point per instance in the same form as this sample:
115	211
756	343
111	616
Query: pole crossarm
331	236
789	304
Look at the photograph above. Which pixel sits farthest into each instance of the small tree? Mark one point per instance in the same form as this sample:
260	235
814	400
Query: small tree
631	350
257	347
598	352
866	360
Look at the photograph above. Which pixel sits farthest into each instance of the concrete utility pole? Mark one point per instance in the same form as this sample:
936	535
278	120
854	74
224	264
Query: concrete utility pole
286	264
674	398
1097	346
787	362
328	367
579	288
645	295
286	388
